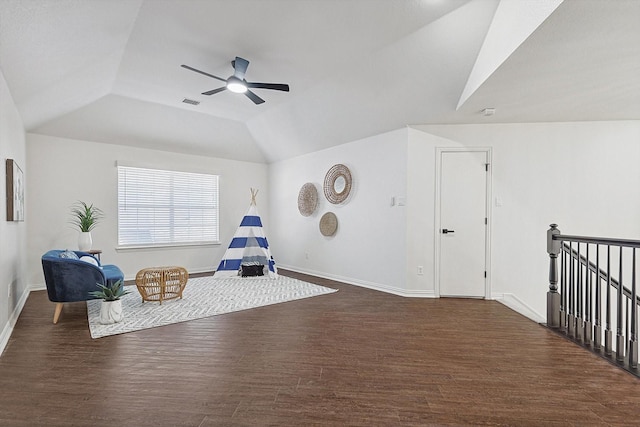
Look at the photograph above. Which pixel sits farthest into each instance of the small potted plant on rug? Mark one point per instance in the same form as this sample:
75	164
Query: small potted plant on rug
111	308
85	217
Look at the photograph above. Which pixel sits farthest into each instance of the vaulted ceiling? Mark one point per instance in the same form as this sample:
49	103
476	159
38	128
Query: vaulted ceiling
109	71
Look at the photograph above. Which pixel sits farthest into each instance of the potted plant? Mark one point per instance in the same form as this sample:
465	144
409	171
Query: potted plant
111	308
85	217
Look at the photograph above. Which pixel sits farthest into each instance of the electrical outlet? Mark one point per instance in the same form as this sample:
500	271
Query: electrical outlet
420	270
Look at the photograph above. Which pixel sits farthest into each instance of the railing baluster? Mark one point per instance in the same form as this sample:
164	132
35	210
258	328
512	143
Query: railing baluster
571	328
579	300
633	341
563	289
626	324
608	333
620	344
587	301
597	329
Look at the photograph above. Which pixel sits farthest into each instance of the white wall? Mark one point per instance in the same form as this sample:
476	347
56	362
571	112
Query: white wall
368	248
63	171
12	234
583	176
543	173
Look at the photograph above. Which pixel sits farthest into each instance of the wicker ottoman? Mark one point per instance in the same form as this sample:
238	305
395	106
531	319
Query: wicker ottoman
161	283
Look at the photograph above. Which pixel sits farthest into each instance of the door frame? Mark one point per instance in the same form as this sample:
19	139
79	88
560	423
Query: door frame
438	226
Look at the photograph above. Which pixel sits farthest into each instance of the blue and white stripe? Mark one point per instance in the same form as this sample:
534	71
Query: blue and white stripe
248	246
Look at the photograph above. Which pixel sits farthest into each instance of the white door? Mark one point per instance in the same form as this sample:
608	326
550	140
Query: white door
463	224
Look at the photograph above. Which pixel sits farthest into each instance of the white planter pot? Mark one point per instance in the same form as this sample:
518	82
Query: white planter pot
111	312
84	241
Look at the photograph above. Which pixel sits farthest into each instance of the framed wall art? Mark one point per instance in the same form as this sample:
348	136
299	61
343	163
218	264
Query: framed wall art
15	192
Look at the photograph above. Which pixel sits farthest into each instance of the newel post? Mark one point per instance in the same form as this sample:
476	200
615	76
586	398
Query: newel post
553	297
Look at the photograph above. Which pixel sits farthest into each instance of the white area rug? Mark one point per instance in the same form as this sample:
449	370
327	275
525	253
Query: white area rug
202	297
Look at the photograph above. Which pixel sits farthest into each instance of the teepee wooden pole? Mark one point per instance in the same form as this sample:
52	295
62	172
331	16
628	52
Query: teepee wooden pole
254	193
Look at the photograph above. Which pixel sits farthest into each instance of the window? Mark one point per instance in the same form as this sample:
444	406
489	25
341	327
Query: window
164	208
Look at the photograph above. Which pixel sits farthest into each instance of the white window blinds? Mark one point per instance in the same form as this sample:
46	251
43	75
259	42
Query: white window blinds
160	207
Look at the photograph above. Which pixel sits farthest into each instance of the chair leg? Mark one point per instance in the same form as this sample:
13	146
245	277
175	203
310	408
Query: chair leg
56	315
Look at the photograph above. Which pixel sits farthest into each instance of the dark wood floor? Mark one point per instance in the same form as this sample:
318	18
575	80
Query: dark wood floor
356	357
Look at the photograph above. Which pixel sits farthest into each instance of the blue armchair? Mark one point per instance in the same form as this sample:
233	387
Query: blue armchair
70	278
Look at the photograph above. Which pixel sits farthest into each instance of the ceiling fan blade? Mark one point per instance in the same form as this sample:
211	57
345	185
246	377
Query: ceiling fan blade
255	98
275	86
214	91
202	72
240	65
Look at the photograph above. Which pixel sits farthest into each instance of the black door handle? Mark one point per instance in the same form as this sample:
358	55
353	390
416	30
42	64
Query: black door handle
445	231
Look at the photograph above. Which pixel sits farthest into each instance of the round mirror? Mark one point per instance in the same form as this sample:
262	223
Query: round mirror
339	184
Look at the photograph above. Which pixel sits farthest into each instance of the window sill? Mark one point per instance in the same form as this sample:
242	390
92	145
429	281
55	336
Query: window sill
166	246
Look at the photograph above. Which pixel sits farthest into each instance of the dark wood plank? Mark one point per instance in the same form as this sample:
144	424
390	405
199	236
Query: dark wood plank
356	357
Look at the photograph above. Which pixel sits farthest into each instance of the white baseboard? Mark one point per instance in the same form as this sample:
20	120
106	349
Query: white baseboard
13	318
208	269
508	299
519	306
362	283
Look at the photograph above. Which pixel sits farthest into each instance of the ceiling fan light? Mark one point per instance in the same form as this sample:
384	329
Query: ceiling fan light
236	87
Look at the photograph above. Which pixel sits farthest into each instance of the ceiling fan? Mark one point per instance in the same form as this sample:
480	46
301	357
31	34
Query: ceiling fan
237	84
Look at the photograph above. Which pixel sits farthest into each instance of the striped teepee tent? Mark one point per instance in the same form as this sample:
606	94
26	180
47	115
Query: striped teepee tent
249	247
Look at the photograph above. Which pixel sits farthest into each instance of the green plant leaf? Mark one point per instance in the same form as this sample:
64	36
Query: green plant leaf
110	293
85	216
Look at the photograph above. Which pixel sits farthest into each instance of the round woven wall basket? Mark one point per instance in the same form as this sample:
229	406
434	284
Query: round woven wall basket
328	224
307	199
337	184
